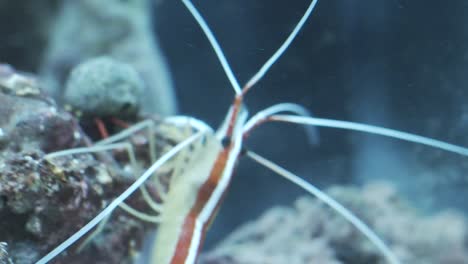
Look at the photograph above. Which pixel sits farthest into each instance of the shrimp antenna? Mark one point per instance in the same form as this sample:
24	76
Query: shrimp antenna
382	131
215	45
119	200
264	116
222	58
259	75
335	205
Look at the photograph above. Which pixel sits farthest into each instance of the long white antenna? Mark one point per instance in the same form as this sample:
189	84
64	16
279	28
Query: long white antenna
222	58
282	48
262	116
348	215
117	201
273	110
372	130
214	43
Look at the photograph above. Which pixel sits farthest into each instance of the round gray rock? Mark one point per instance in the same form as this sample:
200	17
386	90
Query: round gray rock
104	87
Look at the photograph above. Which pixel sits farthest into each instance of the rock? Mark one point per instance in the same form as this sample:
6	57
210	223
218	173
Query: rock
43	201
122	30
30	121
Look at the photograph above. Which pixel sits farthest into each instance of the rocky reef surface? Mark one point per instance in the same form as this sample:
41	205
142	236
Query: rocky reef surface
43	201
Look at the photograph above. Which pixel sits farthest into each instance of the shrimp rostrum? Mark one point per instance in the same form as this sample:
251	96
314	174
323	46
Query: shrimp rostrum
197	187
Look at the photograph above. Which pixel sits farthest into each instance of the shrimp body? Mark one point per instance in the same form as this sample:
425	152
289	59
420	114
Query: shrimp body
195	195
180	215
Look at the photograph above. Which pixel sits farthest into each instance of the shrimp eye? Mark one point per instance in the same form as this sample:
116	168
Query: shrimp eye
243	152
226	141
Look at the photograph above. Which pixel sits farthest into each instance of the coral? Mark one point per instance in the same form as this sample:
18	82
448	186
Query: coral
309	232
4	258
104	87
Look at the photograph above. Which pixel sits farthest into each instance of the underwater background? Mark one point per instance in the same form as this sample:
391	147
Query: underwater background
398	64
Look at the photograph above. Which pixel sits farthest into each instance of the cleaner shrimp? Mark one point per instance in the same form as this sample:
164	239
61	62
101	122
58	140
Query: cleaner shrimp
195	195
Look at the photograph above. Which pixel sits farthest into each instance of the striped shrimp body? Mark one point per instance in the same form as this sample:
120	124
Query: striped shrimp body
179	219
196	191
195	195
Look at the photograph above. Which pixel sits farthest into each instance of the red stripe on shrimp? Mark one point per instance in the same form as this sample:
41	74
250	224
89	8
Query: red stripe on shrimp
189	241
